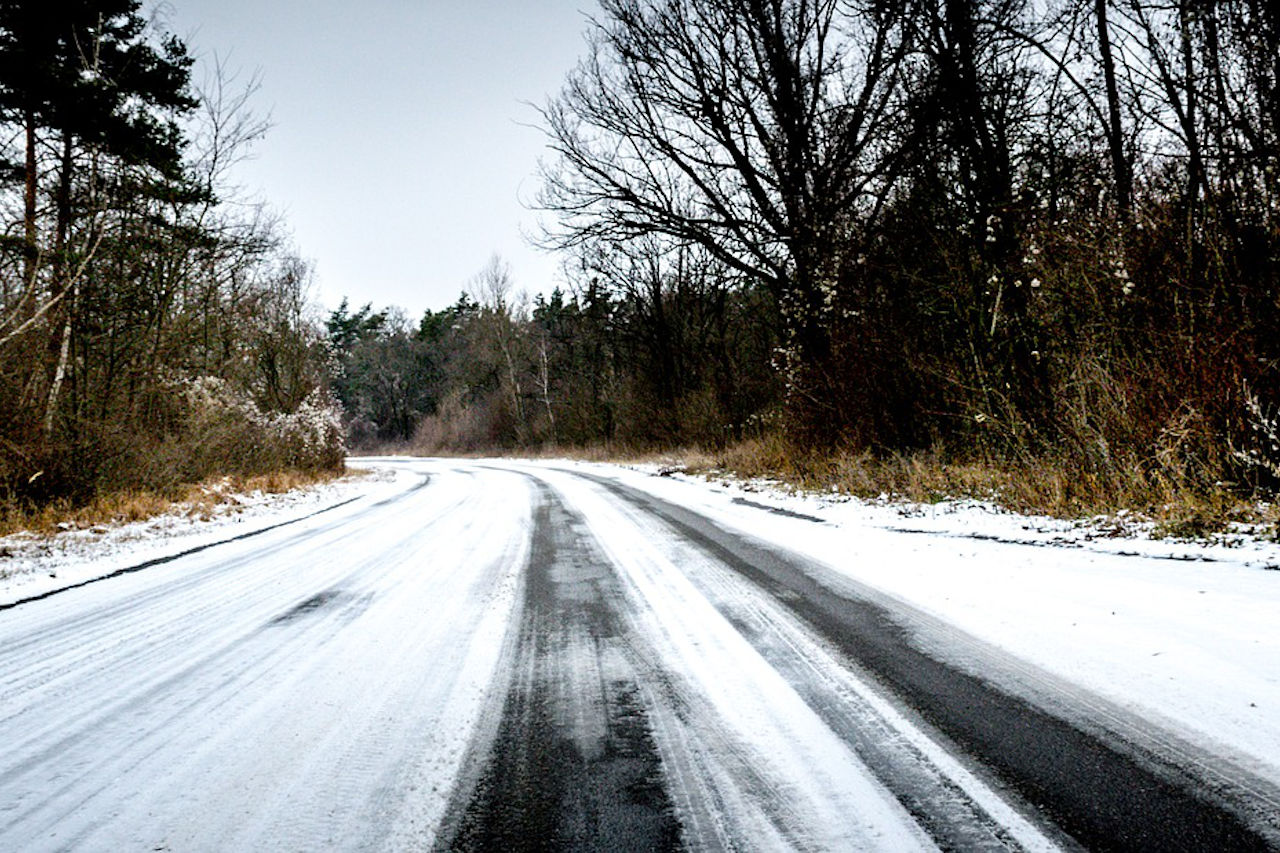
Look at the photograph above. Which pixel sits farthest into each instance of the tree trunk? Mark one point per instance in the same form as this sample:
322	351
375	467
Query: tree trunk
59	376
1115	132
1195	154
30	251
61	285
517	395
545	380
1196	175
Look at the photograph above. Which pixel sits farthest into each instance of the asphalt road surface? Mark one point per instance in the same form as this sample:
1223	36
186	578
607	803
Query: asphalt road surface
498	656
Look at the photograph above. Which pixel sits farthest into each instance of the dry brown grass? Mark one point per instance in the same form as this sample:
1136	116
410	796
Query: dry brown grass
616	452
1047	486
195	500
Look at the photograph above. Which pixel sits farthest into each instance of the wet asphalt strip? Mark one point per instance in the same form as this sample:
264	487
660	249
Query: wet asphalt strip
573	765
1096	792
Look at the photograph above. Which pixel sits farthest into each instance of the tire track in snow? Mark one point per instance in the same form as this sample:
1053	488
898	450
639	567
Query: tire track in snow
573	765
240	537
70	641
747	764
1101	793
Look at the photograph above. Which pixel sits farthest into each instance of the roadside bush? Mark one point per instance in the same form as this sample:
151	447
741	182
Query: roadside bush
188	431
225	431
458	427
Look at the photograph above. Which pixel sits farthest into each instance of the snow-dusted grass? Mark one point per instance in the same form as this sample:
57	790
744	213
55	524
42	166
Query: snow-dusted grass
34	563
1174	499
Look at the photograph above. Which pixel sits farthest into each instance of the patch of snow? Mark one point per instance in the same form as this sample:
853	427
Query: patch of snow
315	687
33	565
1122	534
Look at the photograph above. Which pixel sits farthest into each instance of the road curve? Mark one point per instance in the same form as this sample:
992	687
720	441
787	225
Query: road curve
525	656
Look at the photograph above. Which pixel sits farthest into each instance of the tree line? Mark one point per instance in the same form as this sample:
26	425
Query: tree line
638	356
999	229
153	324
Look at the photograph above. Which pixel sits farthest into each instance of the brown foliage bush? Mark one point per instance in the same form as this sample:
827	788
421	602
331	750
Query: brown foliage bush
200	428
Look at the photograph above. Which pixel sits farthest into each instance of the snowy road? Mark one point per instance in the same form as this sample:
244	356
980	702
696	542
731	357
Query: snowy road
491	655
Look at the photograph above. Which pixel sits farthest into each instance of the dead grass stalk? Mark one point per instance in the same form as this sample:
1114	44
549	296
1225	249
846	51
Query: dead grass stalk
194	500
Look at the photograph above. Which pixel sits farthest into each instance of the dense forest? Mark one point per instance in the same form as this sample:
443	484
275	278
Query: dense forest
153	326
1038	236
1024	234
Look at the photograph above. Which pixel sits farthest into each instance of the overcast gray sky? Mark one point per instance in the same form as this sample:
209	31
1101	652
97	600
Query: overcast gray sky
398	155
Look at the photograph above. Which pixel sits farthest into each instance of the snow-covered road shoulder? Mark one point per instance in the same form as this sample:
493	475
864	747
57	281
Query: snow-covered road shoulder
33	566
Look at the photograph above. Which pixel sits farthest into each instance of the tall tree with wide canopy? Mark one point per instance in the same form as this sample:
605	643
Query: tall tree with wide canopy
83	77
761	131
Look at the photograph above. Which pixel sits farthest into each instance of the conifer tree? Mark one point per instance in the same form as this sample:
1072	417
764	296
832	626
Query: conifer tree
84	76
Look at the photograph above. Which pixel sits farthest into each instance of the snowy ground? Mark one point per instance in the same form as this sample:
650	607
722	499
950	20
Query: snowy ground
313	686
327	675
32	565
1181	632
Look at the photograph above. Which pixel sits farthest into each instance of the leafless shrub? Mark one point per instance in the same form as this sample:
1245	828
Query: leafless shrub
1261	453
456	427
225	430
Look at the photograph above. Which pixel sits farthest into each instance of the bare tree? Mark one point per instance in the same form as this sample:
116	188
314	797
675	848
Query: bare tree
761	131
1121	170
492	289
